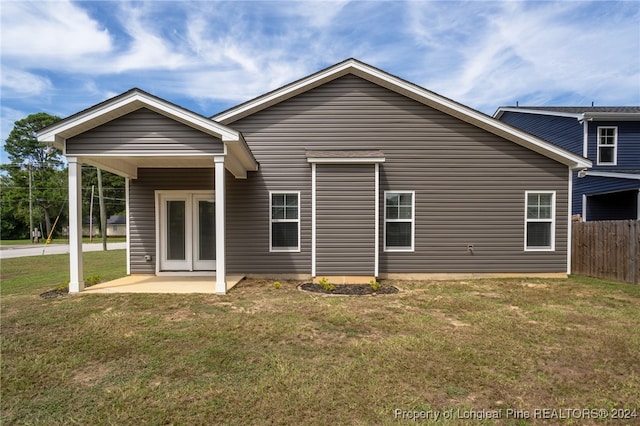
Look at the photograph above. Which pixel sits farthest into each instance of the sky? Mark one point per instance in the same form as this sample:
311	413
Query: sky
61	57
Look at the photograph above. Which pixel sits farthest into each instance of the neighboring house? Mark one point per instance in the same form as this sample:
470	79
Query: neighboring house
117	226
609	137
90	228
349	172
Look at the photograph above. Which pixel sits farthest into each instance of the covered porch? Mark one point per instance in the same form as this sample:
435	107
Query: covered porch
140	283
136	132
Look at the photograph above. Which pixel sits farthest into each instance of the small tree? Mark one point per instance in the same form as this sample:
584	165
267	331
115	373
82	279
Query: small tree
34	166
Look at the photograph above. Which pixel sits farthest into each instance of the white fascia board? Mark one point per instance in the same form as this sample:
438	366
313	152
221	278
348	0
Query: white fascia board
346	160
501	110
613	175
612	116
131	102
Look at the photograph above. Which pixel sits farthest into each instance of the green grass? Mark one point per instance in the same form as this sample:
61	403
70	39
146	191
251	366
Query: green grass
262	355
41	273
60	241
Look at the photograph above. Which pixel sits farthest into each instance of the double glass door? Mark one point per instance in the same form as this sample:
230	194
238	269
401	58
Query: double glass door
187	231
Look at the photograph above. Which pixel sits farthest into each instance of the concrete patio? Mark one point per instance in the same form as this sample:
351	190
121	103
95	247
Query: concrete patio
162	284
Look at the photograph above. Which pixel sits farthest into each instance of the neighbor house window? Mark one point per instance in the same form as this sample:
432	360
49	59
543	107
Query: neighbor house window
607	145
540	220
398	221
285	221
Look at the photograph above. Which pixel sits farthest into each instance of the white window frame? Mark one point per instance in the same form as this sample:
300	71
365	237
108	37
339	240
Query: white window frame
272	221
412	220
603	145
552	221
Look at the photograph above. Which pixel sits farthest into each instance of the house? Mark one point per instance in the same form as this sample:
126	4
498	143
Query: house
90	227
117	226
609	137
350	172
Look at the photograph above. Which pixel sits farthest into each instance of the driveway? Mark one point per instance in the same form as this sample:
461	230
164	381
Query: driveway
7	252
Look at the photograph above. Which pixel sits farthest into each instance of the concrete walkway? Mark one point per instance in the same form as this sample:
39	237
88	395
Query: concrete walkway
162	284
7	252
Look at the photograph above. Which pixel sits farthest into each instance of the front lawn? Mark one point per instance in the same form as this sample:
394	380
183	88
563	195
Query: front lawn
267	355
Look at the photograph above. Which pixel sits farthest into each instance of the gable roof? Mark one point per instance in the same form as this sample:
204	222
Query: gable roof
135	99
408	89
125	103
616	113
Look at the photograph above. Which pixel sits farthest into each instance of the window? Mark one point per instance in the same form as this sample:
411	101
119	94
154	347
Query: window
398	221
540	221
285	221
607	145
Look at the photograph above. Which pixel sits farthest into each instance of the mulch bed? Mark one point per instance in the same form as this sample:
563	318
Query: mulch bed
349	289
53	294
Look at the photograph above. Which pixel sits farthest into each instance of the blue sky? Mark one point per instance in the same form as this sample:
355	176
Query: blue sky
61	56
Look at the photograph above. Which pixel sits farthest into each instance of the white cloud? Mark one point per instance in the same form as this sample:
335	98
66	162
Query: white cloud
533	52
147	49
316	14
8	117
37	32
21	83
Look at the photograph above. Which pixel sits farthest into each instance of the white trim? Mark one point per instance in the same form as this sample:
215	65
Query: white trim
569	220
552	220
581	116
198	263
313	220
599	145
346	160
190	264
128	224
271	221
613	175
376	267
585	139
403	87
525	110
638	209
221	223
413	222
584	207
76	279
127	103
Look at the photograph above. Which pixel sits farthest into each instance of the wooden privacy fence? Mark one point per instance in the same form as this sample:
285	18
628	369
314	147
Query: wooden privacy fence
607	249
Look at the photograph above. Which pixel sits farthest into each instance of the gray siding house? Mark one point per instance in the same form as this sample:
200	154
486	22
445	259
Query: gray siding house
350	173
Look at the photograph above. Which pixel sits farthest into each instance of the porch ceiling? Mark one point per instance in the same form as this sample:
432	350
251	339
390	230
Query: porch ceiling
128	166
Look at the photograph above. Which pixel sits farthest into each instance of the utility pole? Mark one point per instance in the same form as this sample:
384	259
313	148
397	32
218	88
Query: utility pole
30	205
93	187
103	212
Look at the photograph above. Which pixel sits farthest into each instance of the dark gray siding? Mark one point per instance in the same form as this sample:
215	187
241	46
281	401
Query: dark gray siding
470	185
345	220
142	213
141	132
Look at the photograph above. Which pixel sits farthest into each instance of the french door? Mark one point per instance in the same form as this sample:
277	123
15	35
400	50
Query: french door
187	231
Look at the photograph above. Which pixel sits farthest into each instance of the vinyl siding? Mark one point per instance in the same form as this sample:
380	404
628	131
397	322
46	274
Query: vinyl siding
345	219
566	132
469	184
143	132
628	155
142	208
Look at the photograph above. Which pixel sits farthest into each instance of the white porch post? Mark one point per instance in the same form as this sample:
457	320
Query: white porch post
221	269
128	224
76	280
